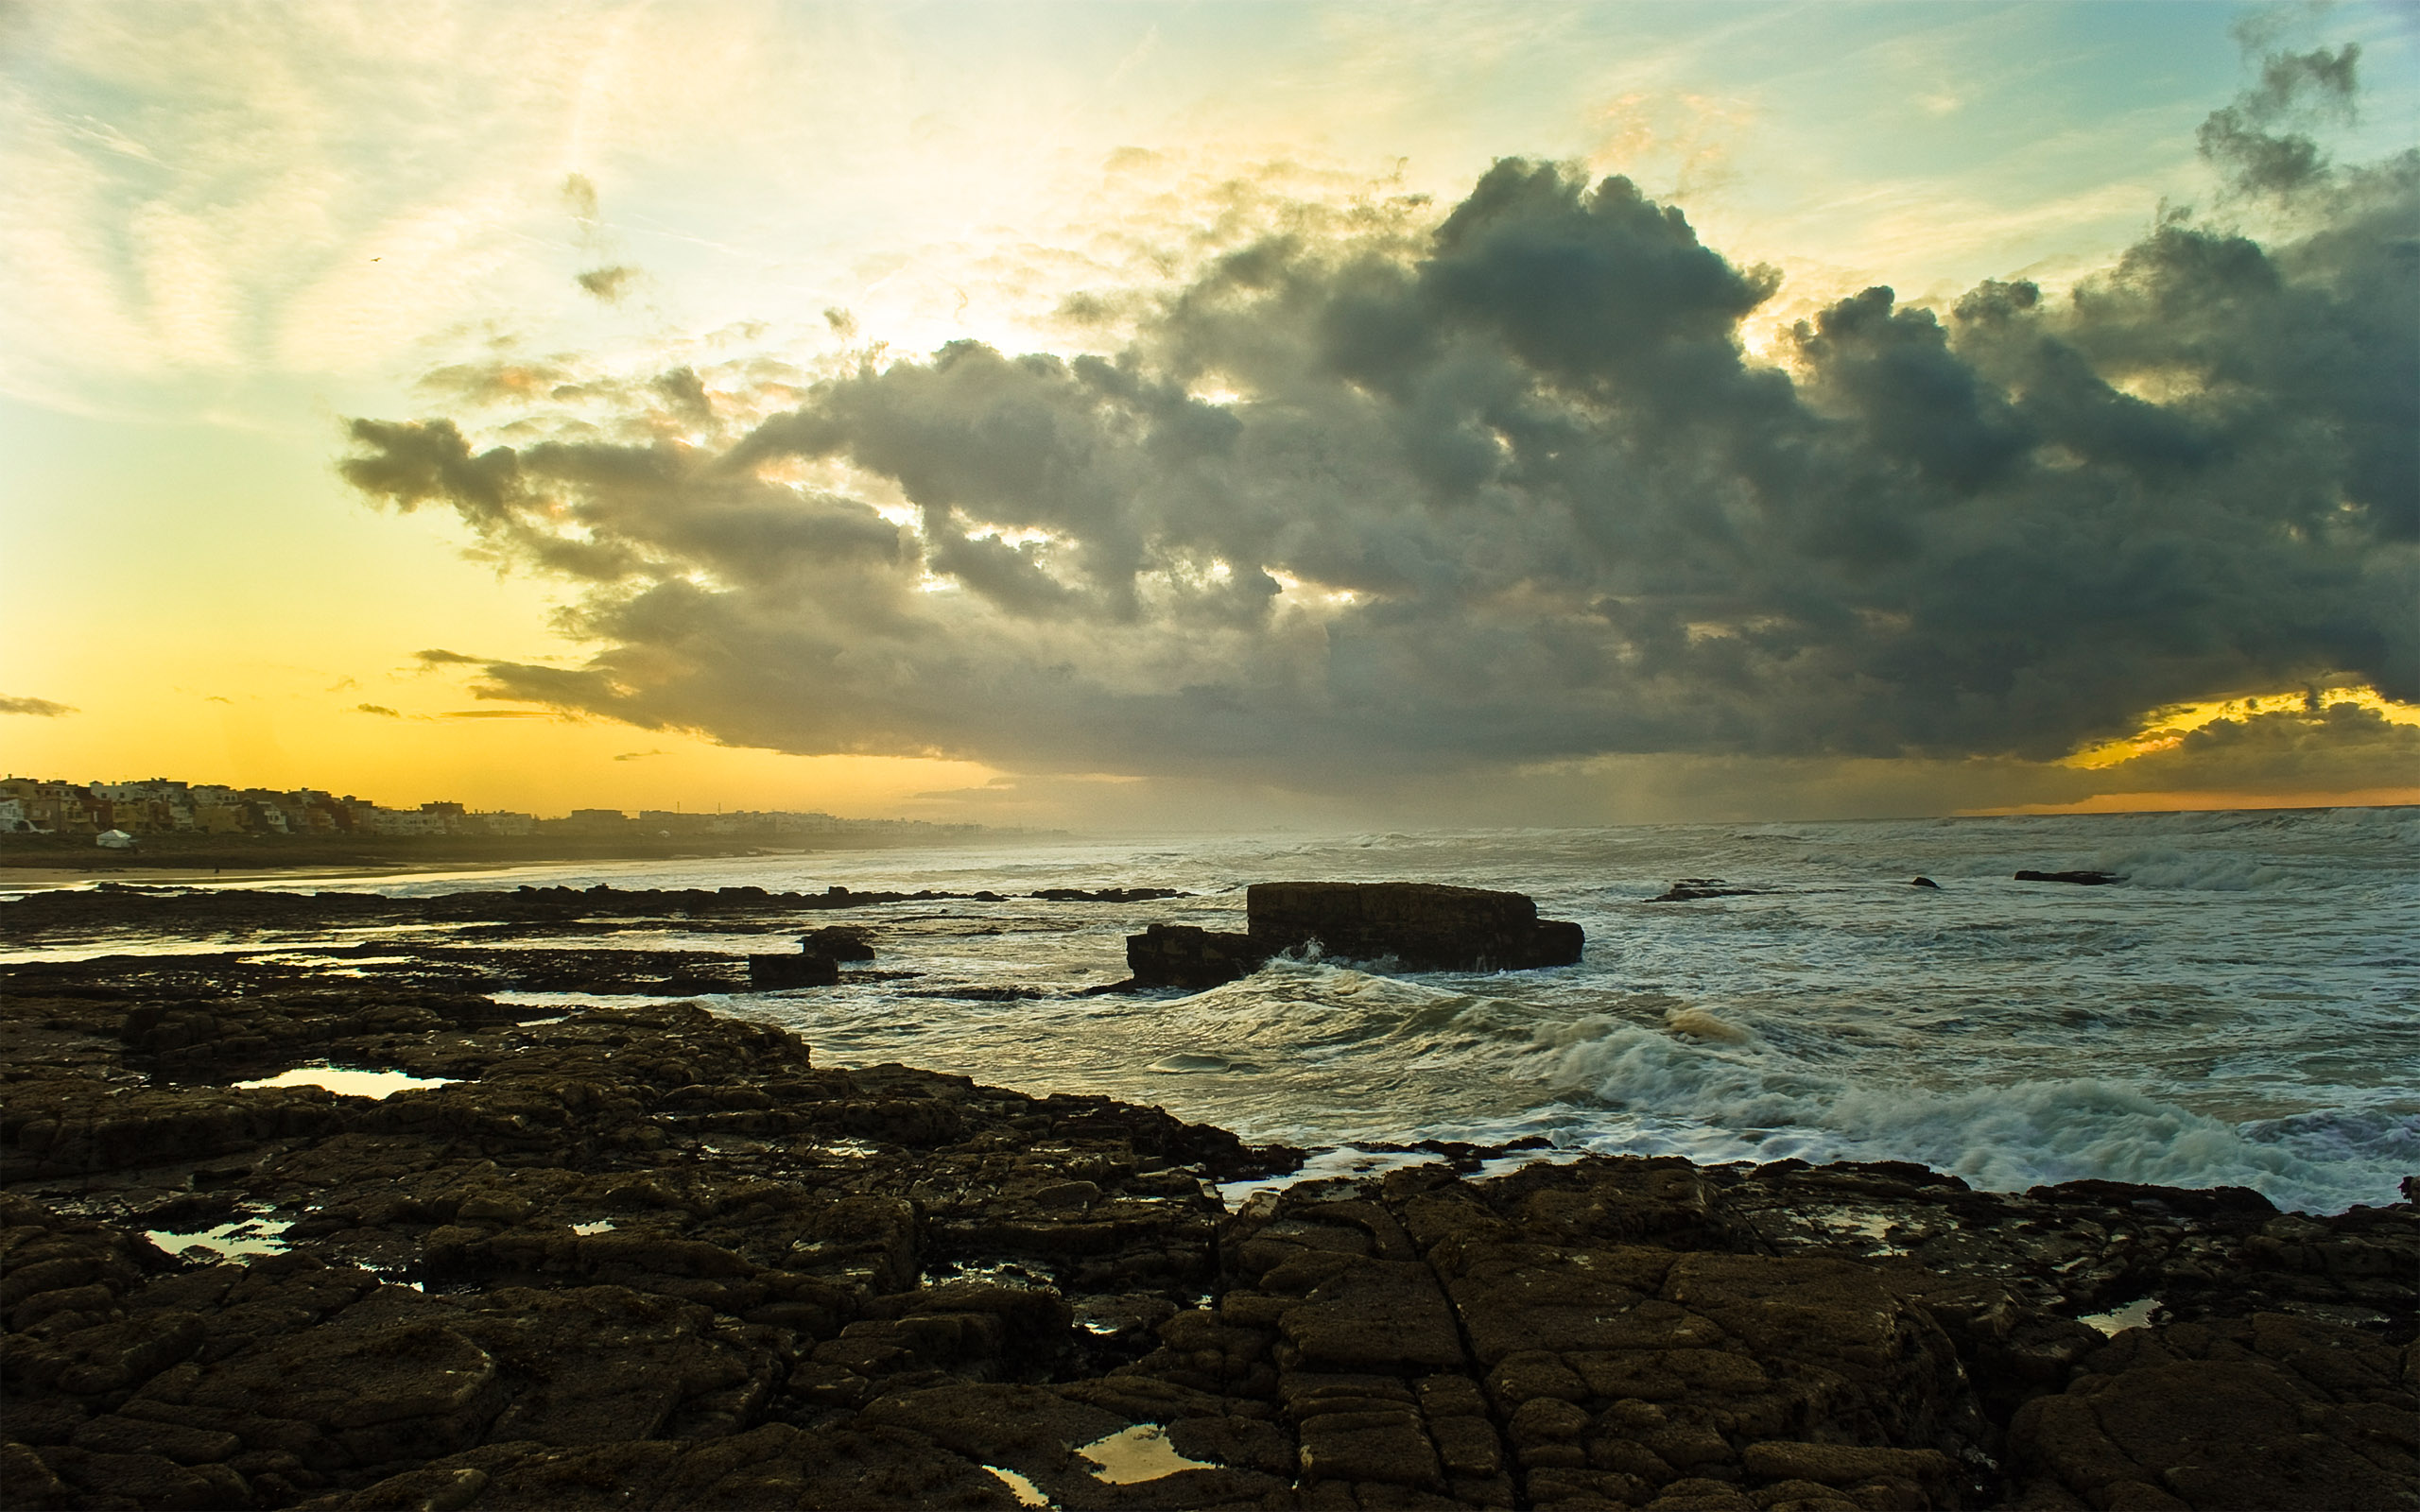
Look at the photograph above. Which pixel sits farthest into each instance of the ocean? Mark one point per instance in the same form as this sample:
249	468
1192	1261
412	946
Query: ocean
2244	1009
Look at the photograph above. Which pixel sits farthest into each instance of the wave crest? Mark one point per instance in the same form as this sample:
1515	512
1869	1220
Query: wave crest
1739	1100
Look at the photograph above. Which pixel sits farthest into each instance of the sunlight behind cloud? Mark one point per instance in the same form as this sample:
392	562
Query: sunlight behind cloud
2166	729
662	229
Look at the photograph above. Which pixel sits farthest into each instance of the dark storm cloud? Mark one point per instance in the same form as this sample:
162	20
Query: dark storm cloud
1352	506
2252	139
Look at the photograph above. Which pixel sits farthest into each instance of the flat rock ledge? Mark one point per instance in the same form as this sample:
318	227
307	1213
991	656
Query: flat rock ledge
653	1257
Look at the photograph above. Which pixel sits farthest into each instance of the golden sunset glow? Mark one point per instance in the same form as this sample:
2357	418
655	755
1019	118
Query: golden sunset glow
930	410
2166	729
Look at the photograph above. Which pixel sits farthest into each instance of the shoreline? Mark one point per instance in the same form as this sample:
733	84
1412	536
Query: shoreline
180	857
650	1256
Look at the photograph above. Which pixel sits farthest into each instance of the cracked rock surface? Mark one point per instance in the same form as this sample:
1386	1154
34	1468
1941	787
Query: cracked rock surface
650	1257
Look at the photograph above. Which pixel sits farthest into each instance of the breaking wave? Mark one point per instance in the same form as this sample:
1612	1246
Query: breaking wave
1734	1100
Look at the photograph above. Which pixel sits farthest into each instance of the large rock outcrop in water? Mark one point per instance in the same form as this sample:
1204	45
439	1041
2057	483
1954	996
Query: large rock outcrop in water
1426	926
1423	927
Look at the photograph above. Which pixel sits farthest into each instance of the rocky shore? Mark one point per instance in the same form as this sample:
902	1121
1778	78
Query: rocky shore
644	1256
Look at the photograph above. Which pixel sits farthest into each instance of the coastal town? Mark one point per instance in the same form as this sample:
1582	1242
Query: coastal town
121	816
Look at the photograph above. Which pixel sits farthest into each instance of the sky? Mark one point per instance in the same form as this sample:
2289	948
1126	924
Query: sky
1170	416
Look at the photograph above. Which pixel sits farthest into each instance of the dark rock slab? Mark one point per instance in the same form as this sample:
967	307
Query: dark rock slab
2078	879
839	941
772	972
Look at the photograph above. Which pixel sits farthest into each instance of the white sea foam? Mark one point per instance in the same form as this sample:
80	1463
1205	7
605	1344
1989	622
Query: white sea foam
2164	867
1754	1104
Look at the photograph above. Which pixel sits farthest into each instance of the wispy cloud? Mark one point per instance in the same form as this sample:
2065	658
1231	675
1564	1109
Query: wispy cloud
40	708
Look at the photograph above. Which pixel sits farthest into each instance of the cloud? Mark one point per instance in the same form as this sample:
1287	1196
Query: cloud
41	708
378	709
1370	502
444	659
2249	139
638	755
608	283
579	196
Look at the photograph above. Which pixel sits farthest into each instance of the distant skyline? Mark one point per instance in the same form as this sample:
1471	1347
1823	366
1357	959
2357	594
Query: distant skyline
1129	416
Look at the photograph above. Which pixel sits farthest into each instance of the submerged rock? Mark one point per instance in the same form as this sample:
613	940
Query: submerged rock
1693	889
2080	879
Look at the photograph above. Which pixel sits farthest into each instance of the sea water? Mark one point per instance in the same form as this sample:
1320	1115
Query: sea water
2244	1008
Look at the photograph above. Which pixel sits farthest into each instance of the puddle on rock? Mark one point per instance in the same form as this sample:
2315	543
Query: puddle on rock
1134	1455
324	961
346	1081
252	1234
2134	1314
1026	1493
1325	1166
850	1150
1007	1273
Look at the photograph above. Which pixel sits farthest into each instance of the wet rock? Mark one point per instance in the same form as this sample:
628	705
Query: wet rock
1695	889
768	973
1188	956
1419	926
839	941
2080	878
211	909
1425	926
